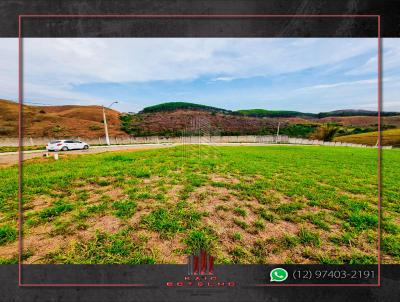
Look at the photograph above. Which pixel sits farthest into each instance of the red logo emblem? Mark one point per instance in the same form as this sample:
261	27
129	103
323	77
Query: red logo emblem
200	264
201	273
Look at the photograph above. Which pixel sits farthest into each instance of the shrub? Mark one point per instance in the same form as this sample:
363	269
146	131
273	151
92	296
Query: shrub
325	132
57	129
94	127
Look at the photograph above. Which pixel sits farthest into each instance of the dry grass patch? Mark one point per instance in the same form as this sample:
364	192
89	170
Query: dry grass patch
38	203
106	223
228	179
164	250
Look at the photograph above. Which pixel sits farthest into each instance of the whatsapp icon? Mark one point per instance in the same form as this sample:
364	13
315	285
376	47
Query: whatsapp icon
278	275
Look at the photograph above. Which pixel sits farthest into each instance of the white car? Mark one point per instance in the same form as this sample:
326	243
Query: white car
65	145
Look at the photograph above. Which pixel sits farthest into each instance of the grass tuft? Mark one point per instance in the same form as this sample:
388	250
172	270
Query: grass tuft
7	234
309	237
240	223
240	211
198	240
56	209
124	208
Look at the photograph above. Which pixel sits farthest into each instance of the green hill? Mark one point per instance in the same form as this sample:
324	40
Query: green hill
274	113
171	106
355	112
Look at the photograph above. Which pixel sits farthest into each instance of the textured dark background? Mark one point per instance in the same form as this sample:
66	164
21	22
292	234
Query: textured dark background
282	27
155	277
199	27
389	10
159	275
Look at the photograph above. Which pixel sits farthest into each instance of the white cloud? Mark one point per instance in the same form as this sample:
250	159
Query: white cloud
390	59
60	95
371	66
340	84
9	68
224	79
124	60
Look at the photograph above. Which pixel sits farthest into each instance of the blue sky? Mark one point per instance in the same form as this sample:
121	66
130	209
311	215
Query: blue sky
310	75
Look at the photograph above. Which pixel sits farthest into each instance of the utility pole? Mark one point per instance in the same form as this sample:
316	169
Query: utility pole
105	123
105	126
277	131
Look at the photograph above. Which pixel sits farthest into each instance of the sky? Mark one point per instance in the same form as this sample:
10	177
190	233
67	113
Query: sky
305	74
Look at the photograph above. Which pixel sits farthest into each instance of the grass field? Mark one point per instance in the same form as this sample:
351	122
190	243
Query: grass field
275	204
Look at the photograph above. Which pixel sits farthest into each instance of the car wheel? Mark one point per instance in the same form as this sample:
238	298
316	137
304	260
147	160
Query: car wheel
64	148
85	147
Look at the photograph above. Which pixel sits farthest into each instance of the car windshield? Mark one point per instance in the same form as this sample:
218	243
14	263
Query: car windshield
54	142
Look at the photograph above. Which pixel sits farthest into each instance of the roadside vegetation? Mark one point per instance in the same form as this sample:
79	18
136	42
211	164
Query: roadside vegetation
276	204
389	138
4	149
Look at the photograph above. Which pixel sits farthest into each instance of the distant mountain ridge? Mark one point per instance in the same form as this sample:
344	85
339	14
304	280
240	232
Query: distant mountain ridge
171	106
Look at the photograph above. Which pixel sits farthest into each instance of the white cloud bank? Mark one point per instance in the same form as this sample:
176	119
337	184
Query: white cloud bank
54	66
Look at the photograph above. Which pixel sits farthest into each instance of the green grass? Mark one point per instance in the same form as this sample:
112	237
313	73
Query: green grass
4	149
237	236
239	254
124	208
104	249
344	239
198	240
328	195
7	234
391	245
289	208
259	224
58	208
268	216
169	221
14	258
239	211
161	220
240	223
290	241
309	237
363	221
318	220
